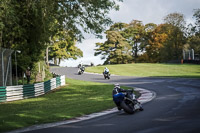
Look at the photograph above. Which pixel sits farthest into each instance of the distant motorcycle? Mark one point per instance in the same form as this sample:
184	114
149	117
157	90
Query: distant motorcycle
128	102
81	70
106	75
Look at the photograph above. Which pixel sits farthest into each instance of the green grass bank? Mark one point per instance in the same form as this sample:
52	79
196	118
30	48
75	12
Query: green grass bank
151	70
78	98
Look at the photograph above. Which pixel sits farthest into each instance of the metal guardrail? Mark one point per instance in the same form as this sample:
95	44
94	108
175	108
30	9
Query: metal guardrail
12	93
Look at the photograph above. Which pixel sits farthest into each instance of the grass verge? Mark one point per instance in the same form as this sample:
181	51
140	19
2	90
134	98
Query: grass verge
151	70
76	99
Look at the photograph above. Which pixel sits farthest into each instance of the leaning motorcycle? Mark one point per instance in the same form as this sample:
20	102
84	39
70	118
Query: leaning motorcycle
81	70
128	102
106	75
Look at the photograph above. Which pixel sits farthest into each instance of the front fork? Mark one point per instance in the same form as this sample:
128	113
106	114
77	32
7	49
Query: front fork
134	103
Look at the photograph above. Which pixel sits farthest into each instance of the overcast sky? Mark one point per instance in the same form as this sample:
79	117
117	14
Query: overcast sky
147	11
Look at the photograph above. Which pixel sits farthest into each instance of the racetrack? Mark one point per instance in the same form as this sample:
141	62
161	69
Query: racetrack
176	107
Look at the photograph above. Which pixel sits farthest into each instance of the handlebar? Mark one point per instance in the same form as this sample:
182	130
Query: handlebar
129	90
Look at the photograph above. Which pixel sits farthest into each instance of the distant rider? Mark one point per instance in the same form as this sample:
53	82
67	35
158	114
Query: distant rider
82	68
80	64
106	70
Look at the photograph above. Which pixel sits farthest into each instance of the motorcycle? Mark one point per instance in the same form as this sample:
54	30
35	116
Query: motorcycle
106	75
81	70
128	101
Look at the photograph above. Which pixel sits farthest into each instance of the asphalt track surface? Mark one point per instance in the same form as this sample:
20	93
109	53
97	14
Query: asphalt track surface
176	108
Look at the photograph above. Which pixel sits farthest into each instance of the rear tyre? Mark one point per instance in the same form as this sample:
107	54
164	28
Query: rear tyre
126	108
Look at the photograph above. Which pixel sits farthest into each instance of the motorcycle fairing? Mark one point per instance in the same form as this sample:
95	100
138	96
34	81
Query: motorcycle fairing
118	97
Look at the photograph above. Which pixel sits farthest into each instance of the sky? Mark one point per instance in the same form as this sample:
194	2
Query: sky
147	11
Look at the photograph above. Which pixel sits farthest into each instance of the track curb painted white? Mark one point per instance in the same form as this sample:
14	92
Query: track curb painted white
146	96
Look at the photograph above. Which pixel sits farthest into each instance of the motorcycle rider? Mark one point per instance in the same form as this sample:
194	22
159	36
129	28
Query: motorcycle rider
106	70
81	70
117	95
115	91
80	64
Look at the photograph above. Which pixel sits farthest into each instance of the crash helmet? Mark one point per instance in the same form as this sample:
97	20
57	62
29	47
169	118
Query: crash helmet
117	86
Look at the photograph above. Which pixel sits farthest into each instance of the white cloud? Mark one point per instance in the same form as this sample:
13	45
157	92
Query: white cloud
87	46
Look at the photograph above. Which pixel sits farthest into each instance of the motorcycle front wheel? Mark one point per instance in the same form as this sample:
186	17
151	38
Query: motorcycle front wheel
140	106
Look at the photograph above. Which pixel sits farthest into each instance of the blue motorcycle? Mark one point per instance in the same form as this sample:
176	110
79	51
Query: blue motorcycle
127	101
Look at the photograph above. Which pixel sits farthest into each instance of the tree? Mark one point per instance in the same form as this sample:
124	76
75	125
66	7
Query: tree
175	19
115	50
196	15
174	28
134	34
155	44
63	47
194	34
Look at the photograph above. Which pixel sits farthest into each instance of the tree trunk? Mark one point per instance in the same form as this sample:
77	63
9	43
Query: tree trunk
47	56
1	38
55	61
59	61
135	51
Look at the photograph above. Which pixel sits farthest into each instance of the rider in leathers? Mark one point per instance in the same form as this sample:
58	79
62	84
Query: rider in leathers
117	90
106	71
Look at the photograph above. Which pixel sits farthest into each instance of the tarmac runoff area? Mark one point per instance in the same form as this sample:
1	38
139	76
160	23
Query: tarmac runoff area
145	97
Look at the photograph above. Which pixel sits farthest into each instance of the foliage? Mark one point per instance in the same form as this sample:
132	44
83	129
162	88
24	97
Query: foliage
116	50
123	44
35	70
63	47
134	34
28	25
196	15
33	26
175	19
194	32
174	28
155	45
194	43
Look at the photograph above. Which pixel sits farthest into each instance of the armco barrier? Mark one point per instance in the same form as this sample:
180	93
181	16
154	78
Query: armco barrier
2	94
47	86
12	93
28	91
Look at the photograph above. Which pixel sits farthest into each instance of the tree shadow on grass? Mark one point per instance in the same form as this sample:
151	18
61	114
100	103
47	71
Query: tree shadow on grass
64	103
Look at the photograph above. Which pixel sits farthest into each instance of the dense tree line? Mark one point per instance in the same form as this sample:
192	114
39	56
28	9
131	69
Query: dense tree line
136	42
32	26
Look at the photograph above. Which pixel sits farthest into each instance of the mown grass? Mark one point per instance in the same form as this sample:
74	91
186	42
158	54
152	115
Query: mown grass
151	70
76	99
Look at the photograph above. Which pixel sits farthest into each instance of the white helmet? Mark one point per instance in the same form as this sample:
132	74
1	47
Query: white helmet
117	86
